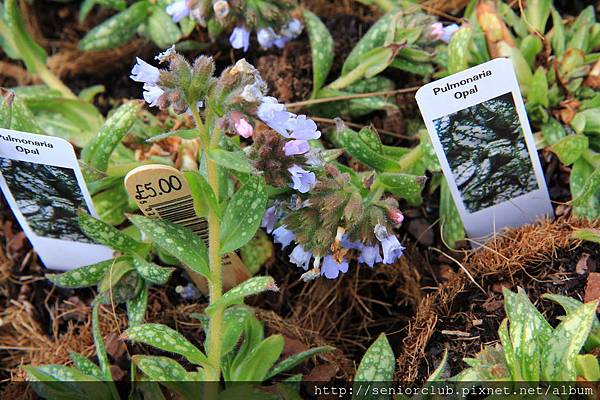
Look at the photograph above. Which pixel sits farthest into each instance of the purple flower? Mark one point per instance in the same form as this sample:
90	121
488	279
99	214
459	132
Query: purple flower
269	219
302	180
266	37
178	10
331	268
449	32
240	38
151	94
370	255
292	29
283	236
300	257
295	147
350	245
144	72
305	128
243	128
392	249
274	114
439	32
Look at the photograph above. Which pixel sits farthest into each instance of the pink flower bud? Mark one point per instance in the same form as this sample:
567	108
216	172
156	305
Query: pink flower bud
243	128
395	216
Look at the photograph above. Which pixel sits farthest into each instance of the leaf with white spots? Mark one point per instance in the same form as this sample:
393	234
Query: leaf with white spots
86	276
235	160
296	359
99	345
170	374
321	46
377	365
164	338
65	383
110	236
98	151
559	356
136	307
176	240
588	207
255	285
150	271
570	148
589	189
452	226
234	321
243	215
84	365
458	50
117	271
364	152
405	186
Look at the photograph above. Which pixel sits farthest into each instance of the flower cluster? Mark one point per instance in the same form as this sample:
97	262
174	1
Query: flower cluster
441	32
332	223
272	22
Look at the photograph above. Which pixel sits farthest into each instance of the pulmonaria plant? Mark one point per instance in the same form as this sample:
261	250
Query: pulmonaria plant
271	20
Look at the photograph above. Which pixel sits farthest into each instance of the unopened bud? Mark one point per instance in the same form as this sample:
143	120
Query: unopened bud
395	216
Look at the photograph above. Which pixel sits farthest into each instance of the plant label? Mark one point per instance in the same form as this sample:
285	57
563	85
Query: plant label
478	126
42	183
161	191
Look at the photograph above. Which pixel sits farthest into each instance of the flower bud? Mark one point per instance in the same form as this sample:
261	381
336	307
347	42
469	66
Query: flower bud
221	9
395	216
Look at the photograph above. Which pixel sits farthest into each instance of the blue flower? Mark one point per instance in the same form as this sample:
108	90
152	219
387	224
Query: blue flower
392	249
144	72
295	147
178	10
305	128
151	94
240	38
283	236
274	114
449	32
269	219
370	255
266	37
300	257
302	180
331	268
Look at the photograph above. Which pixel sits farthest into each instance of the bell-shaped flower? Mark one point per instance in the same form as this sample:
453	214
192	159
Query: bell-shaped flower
283	236
178	10
302	180
295	147
300	257
144	72
240	38
331	268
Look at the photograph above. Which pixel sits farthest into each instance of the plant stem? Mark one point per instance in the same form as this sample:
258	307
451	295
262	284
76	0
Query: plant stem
215	284
54	83
410	158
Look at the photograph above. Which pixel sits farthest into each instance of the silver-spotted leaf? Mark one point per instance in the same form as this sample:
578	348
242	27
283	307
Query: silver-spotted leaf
406	186
376	366
136	307
296	359
580	174
86	276
84	365
243	215
167	339
570	148
321	45
458	50
152	272
235	160
255	285
108	235
452	226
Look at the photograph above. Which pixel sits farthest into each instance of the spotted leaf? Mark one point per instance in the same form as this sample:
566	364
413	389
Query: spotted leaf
252	286
164	338
97	152
170	374
176	240
136	307
321	45
570	148
360	150
588	190
235	160
100	345
452	227
570	305
243	215
403	185
234	321
152	272
86	276
458	50
110	236
589	206
376	366
559	356
84	365
296	359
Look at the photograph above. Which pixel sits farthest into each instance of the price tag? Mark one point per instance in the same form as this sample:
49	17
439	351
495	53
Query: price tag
161	191
479	128
42	183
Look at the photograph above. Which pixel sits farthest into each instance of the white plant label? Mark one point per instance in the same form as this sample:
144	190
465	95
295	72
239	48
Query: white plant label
42	183
479	128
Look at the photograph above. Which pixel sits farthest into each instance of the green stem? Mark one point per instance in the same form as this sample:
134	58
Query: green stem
410	158
54	83
215	284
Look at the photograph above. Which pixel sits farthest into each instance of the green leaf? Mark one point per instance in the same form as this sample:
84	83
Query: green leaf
97	153
376	367
257	251
458	50
255	285
108	235
169	373
439	371
530	47
90	92
537	13
112	204
589	189
570	148
14	114
150	271
509	351
61	382
296	359
374	37
243	215
580	175
99	345
321	46
452	226
204	197
234	321
363	152
32	54
121	267
259	361
116	30
590	235
235	160
371	63
164	338
553	131
87	5
402	185
136	307
86	276
558	33
161	28
538	91
84	365
587	367
592	120
559	356
176	240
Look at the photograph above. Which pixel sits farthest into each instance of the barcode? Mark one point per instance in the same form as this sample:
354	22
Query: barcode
181	211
